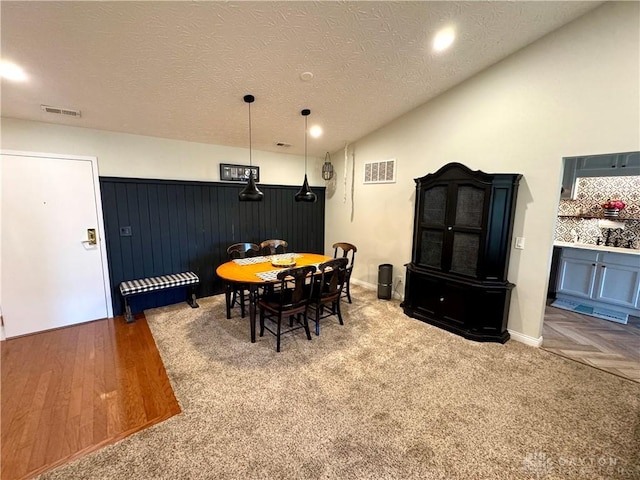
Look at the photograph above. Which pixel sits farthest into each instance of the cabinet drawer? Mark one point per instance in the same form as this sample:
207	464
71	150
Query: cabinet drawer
581	254
631	261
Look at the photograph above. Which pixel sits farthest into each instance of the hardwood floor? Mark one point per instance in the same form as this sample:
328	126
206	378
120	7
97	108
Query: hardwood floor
70	391
606	345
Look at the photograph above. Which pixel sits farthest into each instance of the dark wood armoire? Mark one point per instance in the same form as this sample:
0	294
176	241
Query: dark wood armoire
457	278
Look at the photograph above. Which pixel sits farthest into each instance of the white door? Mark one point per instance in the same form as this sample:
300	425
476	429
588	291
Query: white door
51	275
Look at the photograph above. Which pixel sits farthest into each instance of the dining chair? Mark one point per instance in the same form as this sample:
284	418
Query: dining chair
346	250
272	247
235	292
290	301
328	290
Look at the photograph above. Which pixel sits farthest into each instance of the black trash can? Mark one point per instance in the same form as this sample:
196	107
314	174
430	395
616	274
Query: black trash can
385	281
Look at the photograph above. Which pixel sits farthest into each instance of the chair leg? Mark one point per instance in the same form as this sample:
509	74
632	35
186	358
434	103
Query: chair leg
336	305
306	325
227	296
278	334
348	292
318	320
261	322
242	302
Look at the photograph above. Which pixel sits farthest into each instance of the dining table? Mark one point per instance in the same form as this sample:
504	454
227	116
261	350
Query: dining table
259	272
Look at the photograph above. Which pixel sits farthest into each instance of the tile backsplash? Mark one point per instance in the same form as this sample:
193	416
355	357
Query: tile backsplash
575	216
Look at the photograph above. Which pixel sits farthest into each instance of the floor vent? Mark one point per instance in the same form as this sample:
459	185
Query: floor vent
60	111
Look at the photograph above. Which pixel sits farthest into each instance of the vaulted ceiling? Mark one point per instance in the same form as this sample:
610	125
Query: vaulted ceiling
180	69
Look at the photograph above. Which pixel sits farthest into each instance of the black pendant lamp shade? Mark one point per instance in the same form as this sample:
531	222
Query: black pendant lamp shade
305	194
250	193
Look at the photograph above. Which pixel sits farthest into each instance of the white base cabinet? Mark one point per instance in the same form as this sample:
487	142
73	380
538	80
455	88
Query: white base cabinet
600	278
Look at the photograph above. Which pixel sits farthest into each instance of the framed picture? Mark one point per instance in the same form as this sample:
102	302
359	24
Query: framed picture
238	173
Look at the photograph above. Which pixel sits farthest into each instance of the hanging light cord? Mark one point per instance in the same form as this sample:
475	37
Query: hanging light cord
305	145
250	163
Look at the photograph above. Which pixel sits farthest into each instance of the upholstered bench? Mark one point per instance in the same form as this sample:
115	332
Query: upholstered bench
154	284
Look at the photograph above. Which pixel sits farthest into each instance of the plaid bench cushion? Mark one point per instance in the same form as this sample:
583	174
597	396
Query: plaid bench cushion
143	285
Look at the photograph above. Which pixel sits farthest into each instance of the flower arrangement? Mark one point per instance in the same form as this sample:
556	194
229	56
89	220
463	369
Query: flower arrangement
614	203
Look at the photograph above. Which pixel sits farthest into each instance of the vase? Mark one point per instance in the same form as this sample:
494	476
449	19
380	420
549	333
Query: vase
611	212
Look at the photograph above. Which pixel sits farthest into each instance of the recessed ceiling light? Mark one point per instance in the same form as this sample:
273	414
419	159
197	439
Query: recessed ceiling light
444	38
315	131
11	71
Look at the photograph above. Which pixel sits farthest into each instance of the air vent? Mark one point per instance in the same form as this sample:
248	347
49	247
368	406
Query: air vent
380	172
60	111
282	144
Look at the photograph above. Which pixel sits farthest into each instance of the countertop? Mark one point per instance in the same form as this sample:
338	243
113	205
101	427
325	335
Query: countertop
599	248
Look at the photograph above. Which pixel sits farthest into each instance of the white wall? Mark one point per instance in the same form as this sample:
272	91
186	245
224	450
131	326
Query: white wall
136	156
573	92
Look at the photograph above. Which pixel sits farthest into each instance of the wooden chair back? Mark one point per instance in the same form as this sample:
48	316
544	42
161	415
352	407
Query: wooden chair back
274	246
242	250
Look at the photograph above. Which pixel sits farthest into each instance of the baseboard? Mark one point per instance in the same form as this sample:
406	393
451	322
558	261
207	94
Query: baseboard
526	339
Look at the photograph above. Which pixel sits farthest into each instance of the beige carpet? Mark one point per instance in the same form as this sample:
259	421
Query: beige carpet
382	397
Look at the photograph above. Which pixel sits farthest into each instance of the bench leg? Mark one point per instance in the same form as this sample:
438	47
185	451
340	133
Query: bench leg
127	311
191	297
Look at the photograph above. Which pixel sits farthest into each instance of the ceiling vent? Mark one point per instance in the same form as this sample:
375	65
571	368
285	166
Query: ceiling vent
60	111
282	144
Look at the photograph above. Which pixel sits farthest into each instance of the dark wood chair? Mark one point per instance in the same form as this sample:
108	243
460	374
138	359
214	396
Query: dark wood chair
348	251
272	247
328	290
235	292
290	301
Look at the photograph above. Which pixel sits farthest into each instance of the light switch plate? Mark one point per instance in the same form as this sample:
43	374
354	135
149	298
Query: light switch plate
520	243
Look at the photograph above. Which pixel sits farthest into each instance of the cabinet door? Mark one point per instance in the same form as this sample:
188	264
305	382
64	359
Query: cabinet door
609	165
453	303
597	162
577	277
430	226
618	284
466	229
494	304
423	294
630	161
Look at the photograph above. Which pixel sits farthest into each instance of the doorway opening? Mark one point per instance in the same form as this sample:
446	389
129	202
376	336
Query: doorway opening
595	266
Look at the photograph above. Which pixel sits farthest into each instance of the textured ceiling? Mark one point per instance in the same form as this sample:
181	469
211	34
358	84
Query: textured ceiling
180	69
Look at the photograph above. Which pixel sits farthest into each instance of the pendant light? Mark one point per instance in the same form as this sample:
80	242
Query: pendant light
250	193
327	168
305	194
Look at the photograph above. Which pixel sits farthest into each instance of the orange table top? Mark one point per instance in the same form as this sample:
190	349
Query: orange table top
233	272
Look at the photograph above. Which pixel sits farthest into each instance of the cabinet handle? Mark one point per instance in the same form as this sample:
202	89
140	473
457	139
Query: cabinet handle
449	228
604	266
593	264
